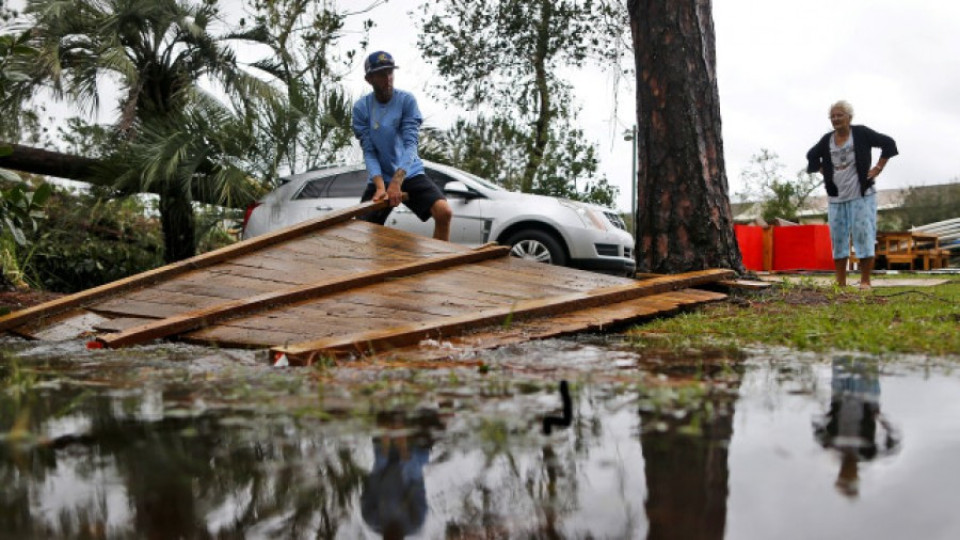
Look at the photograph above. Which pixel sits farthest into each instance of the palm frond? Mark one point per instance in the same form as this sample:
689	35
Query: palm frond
270	66
257	34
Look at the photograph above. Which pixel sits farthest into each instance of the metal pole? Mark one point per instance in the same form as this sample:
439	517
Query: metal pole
633	183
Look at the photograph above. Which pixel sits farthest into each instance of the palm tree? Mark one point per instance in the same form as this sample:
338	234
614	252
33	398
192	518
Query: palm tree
171	134
194	153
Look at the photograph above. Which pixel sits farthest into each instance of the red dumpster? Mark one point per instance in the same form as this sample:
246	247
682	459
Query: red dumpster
750	240
802	247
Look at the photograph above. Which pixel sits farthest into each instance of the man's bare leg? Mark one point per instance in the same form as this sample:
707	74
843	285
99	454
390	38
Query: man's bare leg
442	215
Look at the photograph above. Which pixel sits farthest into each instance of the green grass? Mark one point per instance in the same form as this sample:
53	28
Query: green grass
803	316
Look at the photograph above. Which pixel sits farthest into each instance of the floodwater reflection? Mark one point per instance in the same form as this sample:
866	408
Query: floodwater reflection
772	446
685	445
394	497
854	426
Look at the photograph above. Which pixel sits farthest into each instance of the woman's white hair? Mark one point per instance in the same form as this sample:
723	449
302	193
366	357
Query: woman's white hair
844	106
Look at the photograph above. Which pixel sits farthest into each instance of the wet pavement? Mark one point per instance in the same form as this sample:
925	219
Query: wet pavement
173	441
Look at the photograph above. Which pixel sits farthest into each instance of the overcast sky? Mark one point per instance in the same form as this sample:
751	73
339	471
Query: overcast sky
780	66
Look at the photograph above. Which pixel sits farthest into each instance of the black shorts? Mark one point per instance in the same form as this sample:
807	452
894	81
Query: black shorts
421	191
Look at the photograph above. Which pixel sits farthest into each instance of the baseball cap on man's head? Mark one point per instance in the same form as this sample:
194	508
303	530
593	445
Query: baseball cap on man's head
378	61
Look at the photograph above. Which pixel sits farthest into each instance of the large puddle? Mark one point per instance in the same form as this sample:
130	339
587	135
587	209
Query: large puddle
187	442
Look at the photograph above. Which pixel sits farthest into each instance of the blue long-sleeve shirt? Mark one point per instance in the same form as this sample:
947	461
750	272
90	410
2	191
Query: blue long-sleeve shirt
389	134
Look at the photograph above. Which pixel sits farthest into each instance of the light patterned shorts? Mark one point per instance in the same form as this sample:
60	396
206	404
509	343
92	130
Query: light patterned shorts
856	220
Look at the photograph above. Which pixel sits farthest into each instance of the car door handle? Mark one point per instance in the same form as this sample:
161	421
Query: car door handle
325	208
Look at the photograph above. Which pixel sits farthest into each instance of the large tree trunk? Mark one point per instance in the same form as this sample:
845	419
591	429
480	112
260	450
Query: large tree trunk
685	222
52	163
39	161
179	227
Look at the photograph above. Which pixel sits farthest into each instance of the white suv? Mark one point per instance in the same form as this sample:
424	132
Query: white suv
546	229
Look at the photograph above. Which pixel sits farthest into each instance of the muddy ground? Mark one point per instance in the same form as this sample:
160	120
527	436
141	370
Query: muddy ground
16	300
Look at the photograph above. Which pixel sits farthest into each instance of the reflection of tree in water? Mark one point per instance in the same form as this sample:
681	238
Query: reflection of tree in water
30	457
686	429
853	426
181	474
515	482
229	474
181	477
237	474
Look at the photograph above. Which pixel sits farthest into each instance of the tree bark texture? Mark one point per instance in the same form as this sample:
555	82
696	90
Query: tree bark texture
179	227
39	161
685	222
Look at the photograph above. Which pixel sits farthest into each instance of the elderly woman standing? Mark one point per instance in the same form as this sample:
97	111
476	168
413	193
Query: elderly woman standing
844	157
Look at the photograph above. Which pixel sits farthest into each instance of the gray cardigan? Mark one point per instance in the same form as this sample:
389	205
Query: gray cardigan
864	140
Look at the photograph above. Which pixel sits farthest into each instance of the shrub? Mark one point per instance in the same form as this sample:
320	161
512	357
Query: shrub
89	239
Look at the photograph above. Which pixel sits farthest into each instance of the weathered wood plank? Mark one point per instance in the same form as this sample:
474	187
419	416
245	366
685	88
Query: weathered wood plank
270	276
492	287
363	309
153	304
287	262
509	275
337	242
230	287
559	275
307	321
400	302
593	319
274	267
242	338
20	317
319	318
437	291
411	333
206	316
390	238
137	309
63	326
276	263
336	257
118	324
258	328
747	284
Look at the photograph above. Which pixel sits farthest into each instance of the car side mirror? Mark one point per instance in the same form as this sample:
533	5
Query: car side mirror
459	189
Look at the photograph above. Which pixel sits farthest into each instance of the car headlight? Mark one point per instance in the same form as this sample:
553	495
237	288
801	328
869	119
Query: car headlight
597	219
590	218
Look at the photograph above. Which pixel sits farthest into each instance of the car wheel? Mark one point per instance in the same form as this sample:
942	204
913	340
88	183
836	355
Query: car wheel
537	246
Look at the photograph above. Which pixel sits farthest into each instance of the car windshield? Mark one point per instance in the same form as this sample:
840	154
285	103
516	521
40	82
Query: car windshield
483	182
325	183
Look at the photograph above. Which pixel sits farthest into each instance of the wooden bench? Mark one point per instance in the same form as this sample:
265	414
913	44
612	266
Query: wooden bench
940	258
928	249
912	249
900	258
896	248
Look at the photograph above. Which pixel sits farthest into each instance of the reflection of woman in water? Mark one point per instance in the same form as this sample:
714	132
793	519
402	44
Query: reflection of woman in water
854	426
394	498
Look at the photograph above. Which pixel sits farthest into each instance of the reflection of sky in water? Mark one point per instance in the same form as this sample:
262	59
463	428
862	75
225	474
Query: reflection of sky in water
589	478
599	490
73	485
